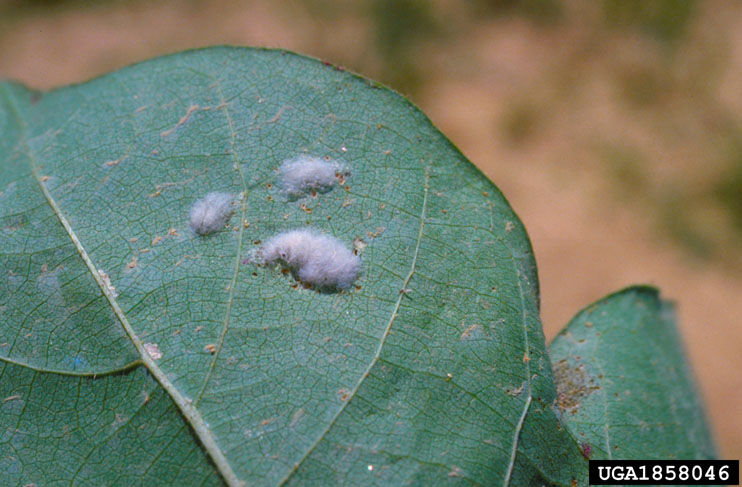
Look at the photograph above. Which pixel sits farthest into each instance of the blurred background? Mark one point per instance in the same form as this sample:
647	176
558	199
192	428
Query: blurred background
614	127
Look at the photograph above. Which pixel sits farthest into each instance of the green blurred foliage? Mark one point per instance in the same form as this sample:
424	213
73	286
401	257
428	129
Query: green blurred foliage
539	11
728	190
401	27
667	20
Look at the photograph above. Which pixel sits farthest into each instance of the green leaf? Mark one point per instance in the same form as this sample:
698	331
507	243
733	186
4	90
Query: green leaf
431	370
624	383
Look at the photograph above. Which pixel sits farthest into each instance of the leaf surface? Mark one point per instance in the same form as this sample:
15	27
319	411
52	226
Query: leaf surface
431	370
624	383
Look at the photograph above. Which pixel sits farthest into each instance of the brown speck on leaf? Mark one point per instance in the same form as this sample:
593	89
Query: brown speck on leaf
296	417
589	324
133	240
44	178
573	385
132	263
14	397
144	250
379	231
509	226
526	358
343	394
455	472
182	120
211	348
449	376
140	109
305	208
107	283
114	162
278	114
44	268
517	391
485	194
587	450
358	245
156	240
153	350
468	331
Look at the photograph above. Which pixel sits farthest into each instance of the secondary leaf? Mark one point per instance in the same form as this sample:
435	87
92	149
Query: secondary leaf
624	382
431	369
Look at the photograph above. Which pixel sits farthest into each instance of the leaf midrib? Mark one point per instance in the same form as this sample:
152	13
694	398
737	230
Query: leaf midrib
189	411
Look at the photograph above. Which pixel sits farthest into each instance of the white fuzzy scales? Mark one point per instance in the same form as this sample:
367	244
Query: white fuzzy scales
316	259
306	173
211	213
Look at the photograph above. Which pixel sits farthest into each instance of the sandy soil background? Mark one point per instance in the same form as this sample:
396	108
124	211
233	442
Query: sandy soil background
612	126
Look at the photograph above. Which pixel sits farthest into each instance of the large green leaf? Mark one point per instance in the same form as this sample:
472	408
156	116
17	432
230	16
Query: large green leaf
431	370
624	383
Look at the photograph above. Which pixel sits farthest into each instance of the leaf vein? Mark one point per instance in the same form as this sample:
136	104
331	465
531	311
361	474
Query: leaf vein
384	336
192	415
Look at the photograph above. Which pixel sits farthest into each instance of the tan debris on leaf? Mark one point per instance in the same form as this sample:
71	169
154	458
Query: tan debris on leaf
153	350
